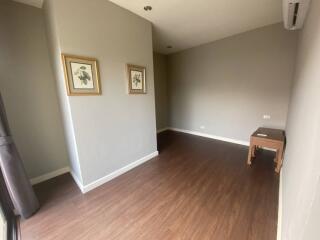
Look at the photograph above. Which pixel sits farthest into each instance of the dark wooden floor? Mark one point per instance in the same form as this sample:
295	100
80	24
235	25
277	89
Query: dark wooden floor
196	189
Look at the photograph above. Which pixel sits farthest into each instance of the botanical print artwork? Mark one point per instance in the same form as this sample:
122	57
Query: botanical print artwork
136	78
82	76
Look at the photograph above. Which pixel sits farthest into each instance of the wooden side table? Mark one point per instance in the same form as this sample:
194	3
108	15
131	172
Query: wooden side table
269	138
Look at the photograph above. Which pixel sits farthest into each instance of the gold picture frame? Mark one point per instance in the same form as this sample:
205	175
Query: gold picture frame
136	79
81	75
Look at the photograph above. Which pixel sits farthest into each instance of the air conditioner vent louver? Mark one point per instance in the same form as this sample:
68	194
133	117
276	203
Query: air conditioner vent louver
294	13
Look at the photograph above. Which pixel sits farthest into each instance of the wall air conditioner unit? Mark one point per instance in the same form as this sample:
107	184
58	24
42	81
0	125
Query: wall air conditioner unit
294	13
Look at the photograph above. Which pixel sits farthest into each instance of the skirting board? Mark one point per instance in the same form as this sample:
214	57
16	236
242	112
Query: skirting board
49	175
109	177
210	136
162	129
77	181
279	226
206	135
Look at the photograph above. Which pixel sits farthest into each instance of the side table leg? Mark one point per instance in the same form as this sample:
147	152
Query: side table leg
279	160
254	149
277	156
250	154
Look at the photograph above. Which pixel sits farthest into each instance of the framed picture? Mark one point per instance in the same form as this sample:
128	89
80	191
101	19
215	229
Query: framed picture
136	79
81	75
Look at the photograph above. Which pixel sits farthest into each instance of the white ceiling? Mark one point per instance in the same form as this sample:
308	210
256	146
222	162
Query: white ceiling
184	24
187	23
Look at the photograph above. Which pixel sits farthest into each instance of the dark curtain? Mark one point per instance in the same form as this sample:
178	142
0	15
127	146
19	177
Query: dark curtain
7	210
15	178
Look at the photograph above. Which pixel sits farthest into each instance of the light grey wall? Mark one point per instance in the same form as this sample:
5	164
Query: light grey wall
161	90
301	169
114	129
55	57
228	85
27	86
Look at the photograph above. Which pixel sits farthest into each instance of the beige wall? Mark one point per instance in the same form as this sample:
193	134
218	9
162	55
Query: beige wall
28	89
107	132
301	170
161	90
228	85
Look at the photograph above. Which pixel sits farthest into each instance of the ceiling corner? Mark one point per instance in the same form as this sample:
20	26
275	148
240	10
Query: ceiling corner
34	3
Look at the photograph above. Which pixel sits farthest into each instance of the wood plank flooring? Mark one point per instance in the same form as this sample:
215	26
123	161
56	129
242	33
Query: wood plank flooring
196	188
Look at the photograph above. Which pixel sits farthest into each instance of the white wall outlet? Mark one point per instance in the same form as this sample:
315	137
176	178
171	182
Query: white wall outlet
266	116
202	127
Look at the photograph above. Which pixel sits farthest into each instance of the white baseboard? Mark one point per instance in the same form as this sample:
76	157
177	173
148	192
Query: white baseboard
77	181
279	226
162	129
210	136
206	135
49	175
109	177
